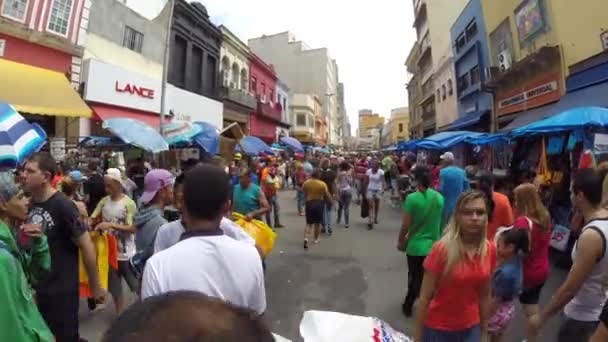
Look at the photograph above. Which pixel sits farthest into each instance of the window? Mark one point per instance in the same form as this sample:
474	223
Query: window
271	97
438	95
450	87
471	30
460	42
196	75
244	82
463	82
400	128
60	17
133	39
475	75
301	119
254	84
178	61
443	95
210	77
15	9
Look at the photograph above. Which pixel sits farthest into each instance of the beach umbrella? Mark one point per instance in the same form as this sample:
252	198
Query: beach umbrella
208	138
19	139
293	143
137	133
180	132
253	146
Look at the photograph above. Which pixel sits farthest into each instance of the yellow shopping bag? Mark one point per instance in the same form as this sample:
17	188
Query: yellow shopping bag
262	234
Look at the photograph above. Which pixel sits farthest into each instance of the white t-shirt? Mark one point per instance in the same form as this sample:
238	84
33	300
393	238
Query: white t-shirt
119	212
169	233
217	266
375	179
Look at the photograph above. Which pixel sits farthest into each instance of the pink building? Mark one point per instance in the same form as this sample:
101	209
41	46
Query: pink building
267	117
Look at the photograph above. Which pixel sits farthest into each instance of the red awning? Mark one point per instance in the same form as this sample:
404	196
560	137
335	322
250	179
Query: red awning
105	112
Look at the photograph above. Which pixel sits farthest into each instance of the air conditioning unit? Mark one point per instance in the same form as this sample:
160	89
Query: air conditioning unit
504	60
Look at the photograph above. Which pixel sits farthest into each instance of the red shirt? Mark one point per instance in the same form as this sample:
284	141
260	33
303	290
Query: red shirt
360	169
536	263
502	215
455	305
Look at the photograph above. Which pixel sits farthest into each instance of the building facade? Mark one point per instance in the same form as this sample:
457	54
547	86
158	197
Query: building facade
267	115
41	48
445	92
282	92
414	93
399	120
238	100
537	48
369	121
308	123
471	60
305	70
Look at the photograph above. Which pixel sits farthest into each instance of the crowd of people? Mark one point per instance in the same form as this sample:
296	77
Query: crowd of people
472	252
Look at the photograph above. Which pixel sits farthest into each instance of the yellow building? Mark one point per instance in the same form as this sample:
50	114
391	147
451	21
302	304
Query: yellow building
399	123
369	121
535	47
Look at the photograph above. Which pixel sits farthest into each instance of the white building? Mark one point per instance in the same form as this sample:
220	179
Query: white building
282	91
306	70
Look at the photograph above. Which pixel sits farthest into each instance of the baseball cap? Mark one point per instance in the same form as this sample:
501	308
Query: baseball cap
114	174
76	175
238	156
154	181
448	156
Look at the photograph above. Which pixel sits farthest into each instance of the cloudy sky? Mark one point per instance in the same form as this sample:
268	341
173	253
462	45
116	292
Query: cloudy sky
369	39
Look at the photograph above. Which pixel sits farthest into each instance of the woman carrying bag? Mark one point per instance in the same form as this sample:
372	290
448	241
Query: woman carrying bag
419	231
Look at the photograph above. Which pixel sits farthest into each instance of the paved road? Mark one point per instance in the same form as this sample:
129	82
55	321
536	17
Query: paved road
354	271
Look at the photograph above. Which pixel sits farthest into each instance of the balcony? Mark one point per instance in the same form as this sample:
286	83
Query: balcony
238	96
269	110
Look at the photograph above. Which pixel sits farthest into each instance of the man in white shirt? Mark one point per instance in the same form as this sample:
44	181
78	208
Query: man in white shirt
206	260
169	233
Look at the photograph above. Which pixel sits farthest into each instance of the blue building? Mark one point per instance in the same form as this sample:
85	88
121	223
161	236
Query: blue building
471	58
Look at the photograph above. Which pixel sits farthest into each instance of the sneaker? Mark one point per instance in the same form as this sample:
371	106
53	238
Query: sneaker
346	226
323	230
376	221
300	214
305	244
316	242
407	310
370	226
279	226
329	232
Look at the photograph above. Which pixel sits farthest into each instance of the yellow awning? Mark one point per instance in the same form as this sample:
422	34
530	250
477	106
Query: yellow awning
36	90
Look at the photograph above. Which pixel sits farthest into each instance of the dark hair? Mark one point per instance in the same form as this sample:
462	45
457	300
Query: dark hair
206	191
46	162
422	175
589	182
517	238
485	184
344	166
69	186
316	173
93	165
179	180
187	316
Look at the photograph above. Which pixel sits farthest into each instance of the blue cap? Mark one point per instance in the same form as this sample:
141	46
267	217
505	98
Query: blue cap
76	175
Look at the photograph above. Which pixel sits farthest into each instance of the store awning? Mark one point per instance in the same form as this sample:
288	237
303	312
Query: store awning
36	90
591	96
105	112
466	121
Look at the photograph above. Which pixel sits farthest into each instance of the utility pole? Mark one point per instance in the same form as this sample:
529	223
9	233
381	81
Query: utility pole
163	92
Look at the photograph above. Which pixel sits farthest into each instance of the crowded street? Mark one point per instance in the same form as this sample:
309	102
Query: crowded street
354	271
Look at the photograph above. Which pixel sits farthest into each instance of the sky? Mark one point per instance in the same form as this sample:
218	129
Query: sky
369	39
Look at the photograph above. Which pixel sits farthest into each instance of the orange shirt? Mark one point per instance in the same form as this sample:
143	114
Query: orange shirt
502	215
455	305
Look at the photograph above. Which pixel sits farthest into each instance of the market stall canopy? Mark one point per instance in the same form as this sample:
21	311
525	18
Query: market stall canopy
253	146
293	143
407	145
467	120
36	90
446	140
208	138
577	118
97	141
137	133
488	139
18	138
181	132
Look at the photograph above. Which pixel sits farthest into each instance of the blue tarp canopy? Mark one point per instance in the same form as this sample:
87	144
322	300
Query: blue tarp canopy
97	141
467	120
293	143
407	145
253	146
577	118
488	139
446	140
208	138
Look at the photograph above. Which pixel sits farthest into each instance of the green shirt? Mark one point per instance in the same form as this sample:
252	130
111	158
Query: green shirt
19	315
425	210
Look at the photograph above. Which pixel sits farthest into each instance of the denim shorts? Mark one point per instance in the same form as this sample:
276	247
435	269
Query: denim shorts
472	334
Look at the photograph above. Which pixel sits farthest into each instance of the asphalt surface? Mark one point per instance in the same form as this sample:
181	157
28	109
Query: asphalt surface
354	271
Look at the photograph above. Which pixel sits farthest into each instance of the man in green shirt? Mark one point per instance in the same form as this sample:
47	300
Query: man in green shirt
419	231
21	264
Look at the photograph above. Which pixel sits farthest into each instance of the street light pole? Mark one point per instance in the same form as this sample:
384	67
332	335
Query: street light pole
163	91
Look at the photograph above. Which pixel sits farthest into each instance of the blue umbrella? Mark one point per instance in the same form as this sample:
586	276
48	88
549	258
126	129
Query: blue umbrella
180	132
208	138
293	143
253	146
137	133
18	138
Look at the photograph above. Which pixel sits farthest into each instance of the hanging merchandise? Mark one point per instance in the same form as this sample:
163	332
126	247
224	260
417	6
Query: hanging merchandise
575	137
587	160
600	143
543	174
555	145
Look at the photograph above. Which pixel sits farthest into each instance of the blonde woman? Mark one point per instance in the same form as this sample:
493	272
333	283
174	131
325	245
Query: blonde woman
532	215
455	297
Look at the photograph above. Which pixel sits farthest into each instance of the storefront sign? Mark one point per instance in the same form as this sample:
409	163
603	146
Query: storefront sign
604	37
111	84
537	92
57	147
134	90
187	106
600	143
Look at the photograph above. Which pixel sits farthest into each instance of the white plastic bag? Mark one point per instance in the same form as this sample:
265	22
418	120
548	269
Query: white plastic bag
559	238
325	326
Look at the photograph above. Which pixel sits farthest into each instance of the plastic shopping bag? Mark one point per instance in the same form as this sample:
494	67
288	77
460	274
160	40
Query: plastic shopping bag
262	234
559	238
325	326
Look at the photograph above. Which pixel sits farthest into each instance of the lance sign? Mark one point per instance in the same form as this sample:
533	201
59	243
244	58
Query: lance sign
134	90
